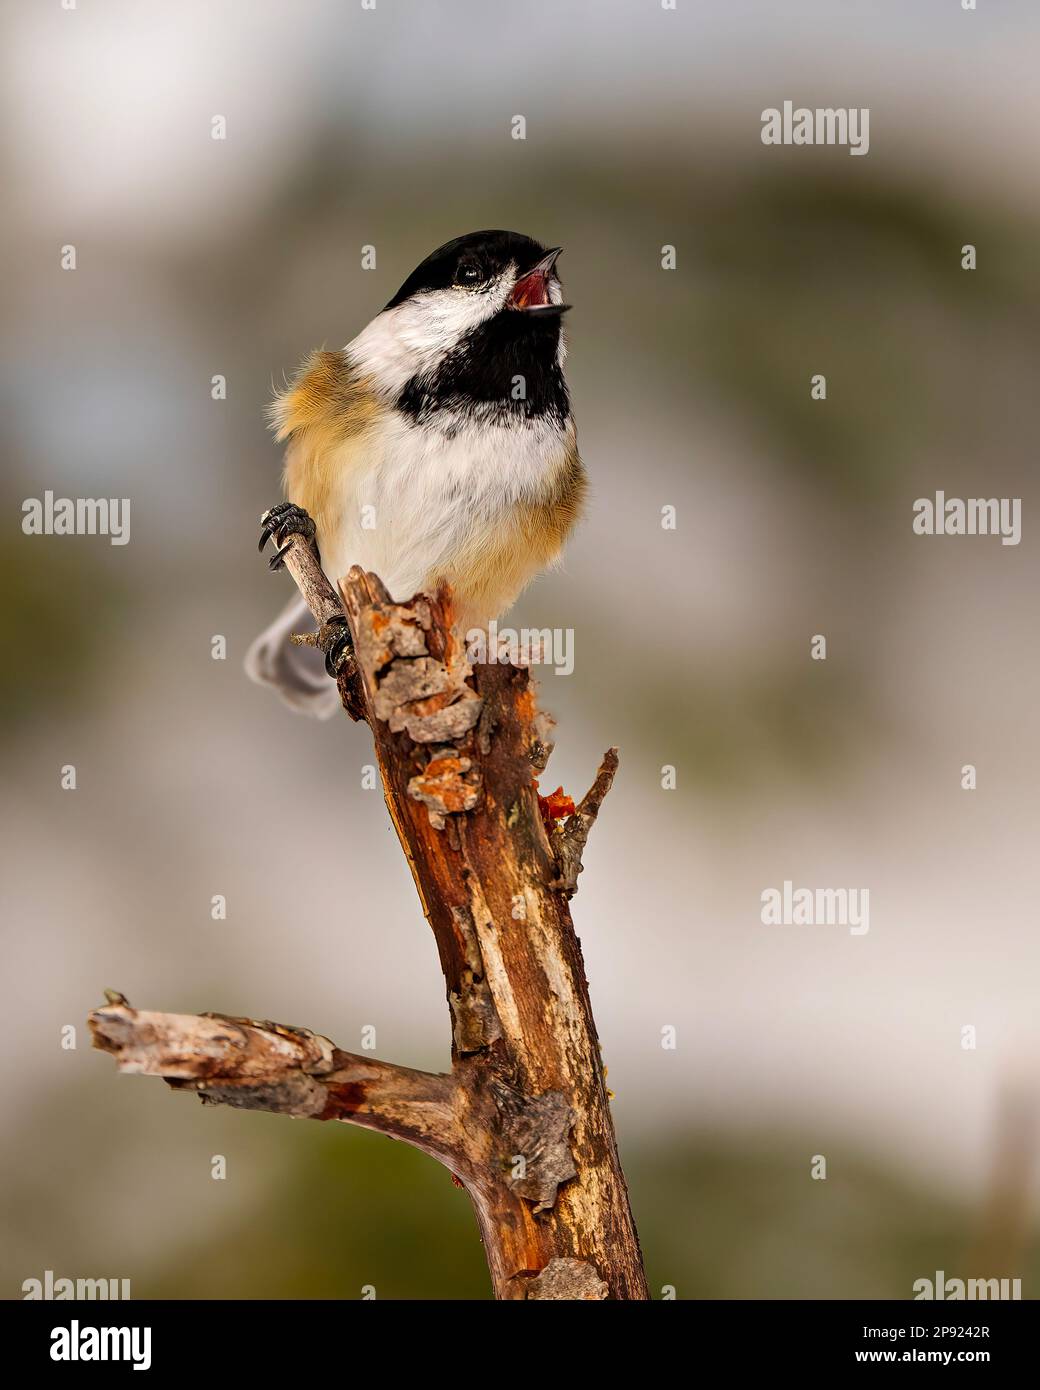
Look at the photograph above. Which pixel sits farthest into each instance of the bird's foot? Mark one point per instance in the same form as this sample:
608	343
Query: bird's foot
281	522
335	641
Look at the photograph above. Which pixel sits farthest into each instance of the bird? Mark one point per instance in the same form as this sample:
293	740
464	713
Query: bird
437	447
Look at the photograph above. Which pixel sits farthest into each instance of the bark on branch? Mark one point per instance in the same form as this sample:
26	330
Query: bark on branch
258	1065
523	1120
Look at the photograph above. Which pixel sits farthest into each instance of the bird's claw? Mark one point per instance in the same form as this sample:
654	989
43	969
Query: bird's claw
335	641
281	522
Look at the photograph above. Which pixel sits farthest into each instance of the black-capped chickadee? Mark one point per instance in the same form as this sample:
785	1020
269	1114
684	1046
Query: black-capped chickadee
437	446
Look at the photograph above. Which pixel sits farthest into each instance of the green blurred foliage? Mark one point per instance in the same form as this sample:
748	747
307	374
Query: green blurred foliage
62	615
717	1219
733	731
352	1209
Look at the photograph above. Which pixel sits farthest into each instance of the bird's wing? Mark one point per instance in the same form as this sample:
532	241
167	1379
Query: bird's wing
322	414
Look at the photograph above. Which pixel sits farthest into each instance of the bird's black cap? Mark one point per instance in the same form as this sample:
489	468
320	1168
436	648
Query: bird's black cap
489	252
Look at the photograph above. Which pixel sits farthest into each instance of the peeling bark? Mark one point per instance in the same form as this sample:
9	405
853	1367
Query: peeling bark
567	1279
537	1129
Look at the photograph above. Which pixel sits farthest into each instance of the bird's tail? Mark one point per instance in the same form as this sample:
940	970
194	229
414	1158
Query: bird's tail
297	674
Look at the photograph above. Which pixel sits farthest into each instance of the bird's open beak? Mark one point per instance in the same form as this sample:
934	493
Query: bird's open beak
531	291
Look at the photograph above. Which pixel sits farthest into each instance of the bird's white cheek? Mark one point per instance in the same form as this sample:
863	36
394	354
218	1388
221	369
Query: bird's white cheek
412	338
434	323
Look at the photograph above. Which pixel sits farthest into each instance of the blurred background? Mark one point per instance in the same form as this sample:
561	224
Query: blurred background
199	257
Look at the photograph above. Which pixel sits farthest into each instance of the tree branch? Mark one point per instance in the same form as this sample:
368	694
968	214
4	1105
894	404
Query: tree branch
574	835
258	1065
524	1118
301	560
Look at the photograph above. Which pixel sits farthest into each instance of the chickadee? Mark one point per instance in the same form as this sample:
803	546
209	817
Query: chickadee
437	446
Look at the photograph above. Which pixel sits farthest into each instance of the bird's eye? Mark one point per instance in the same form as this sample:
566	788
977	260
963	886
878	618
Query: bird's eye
468	273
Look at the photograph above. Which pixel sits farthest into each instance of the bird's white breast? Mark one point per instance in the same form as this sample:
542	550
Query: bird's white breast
422	493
